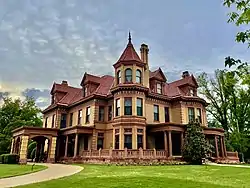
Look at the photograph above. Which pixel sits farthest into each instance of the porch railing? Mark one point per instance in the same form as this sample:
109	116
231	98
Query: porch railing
126	154
231	154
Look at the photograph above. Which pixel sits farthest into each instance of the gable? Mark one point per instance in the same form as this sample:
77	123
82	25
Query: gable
158	75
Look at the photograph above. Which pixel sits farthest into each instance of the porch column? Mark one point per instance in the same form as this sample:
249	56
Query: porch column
76	145
216	147
222	147
66	146
165	141
52	150
12	146
144	139
23	150
170	143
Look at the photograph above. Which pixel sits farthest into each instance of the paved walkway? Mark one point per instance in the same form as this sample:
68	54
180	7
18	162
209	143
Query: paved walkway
230	165
53	171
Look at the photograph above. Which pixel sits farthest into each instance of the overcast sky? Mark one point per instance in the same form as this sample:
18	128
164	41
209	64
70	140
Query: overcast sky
42	41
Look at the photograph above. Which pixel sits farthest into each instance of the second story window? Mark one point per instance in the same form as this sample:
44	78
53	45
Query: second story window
71	119
101	113
139	106
46	122
117	107
159	88
138	76
199	115
167	114
128	106
53	121
128	75
191	92
191	115
79	122
110	113
63	121
87	114
156	113
119	77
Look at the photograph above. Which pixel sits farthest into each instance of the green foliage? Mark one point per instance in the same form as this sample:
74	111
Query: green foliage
14	114
31	147
195	145
9	158
240	17
33	153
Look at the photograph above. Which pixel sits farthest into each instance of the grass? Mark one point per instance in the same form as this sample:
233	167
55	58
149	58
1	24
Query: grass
10	170
152	176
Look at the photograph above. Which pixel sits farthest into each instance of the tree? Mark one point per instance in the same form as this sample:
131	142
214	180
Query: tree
14	114
241	16
195	145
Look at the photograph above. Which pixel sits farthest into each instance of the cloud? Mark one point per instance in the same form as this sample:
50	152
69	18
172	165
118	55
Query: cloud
3	94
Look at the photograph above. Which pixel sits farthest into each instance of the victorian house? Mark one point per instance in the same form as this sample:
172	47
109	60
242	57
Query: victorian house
137	108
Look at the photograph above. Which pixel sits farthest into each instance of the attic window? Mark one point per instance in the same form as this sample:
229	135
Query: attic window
191	92
85	91
159	88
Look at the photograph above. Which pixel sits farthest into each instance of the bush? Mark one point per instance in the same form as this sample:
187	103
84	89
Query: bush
195	145
10	158
2	158
33	154
31	147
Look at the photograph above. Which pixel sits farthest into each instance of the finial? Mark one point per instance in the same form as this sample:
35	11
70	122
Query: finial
129	37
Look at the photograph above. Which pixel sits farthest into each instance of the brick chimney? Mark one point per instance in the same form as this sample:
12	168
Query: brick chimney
64	82
185	74
144	53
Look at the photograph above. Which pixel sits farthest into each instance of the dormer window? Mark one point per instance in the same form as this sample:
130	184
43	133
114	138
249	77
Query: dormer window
85	91
191	92
128	75
158	88
138	76
119	77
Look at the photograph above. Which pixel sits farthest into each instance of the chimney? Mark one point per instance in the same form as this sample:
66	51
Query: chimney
144	53
185	74
64	82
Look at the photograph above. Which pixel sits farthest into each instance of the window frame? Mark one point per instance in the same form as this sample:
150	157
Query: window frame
128	76
166	113
138	76
159	89
110	114
79	117
71	119
199	116
87	115
191	117
156	114
139	108
118	107
101	115
119	76
128	108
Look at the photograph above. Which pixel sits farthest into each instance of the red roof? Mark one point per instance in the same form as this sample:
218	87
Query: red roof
158	74
129	54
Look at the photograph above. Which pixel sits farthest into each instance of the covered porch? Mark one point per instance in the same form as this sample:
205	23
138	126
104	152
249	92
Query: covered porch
45	139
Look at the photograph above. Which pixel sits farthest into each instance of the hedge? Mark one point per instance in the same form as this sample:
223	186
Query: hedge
9	158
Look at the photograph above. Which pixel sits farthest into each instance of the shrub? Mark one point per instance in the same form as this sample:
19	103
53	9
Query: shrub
33	154
10	158
2	158
195	145
31	147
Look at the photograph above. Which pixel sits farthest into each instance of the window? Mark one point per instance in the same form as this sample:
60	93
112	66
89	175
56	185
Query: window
199	115
191	114
110	113
53	121
118	107
85	91
79	122
63	121
166	114
70	119
159	88
87	114
128	106
139	106
191	92
128	138
138	76
119	77
117	137
128	75
46	122
100	141
156	112
139	141
101	113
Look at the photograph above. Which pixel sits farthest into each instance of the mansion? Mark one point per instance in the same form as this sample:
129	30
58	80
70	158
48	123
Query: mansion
136	110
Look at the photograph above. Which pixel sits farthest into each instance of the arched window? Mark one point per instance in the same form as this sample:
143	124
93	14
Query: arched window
119	77
138	76
128	75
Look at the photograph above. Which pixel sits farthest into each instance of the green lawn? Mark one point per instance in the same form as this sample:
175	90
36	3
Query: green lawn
152	176
9	170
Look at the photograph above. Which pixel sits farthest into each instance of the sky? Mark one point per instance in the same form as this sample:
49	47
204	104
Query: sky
42	42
